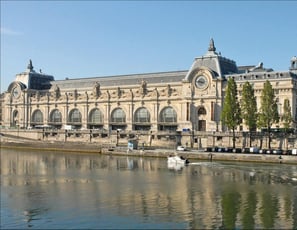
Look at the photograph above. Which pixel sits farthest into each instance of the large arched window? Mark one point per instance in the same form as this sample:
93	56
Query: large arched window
118	116
201	111
168	115
37	117
142	115
74	116
56	116
96	116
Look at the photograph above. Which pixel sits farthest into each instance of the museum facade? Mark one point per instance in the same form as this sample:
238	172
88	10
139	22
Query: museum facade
154	102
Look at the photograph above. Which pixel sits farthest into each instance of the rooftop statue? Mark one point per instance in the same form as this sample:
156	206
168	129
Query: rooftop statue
30	66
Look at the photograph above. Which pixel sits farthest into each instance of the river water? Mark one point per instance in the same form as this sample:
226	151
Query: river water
71	191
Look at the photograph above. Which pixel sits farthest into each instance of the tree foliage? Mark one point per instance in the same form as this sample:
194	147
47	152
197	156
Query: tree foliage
249	106
230	115
268	110
286	117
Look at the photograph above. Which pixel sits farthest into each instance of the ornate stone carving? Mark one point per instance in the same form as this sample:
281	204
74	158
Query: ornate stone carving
119	92
75	94
113	94
143	88
37	96
166	91
174	92
156	93
96	90
169	90
124	94
107	95
131	93
57	93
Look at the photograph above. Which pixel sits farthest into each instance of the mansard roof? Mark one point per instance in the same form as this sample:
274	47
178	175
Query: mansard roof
122	80
34	80
262	75
213	61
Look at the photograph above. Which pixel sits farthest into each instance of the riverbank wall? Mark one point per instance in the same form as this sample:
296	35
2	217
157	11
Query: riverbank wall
160	139
95	148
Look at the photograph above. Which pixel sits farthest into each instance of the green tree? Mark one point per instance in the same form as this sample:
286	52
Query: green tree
230	115
268	114
286	117
249	107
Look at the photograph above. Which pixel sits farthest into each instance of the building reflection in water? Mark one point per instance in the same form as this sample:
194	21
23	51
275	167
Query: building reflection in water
203	195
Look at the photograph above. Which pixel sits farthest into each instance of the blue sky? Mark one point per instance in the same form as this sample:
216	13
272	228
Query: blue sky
78	39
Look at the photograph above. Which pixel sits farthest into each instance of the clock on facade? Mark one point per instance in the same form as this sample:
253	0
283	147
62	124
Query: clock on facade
201	82
16	92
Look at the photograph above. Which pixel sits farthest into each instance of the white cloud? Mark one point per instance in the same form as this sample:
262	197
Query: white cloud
6	31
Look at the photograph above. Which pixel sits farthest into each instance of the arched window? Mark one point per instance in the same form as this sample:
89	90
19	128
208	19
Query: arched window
37	116
168	115
118	116
56	116
74	116
142	115
201	111
96	116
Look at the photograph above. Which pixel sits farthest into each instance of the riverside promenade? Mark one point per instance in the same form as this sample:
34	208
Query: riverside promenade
13	142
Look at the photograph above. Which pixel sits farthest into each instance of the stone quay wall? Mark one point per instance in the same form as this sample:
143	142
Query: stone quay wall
197	140
81	146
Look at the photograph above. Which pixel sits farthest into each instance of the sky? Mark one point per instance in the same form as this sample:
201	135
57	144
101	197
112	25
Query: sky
80	39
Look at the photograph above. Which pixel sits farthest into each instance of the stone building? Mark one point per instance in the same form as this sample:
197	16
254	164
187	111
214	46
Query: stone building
189	100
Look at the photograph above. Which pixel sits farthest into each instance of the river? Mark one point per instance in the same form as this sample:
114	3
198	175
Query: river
55	190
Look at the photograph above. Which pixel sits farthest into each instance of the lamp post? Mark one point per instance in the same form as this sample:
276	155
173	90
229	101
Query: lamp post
118	131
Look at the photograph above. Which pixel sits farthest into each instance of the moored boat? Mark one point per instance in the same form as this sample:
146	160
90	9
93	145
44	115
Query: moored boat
177	160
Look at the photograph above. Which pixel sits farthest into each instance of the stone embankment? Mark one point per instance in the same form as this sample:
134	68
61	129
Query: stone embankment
95	148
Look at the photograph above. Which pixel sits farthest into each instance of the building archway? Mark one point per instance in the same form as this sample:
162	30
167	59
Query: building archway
55	118
168	119
118	119
95	120
75	118
142	119
37	118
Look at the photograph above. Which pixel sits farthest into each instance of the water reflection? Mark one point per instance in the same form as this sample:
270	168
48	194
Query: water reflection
59	190
174	166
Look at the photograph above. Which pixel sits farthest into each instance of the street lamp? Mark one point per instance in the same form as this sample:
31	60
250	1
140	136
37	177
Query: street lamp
118	131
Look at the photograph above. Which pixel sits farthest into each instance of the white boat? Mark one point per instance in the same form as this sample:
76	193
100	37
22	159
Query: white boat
177	160
175	166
